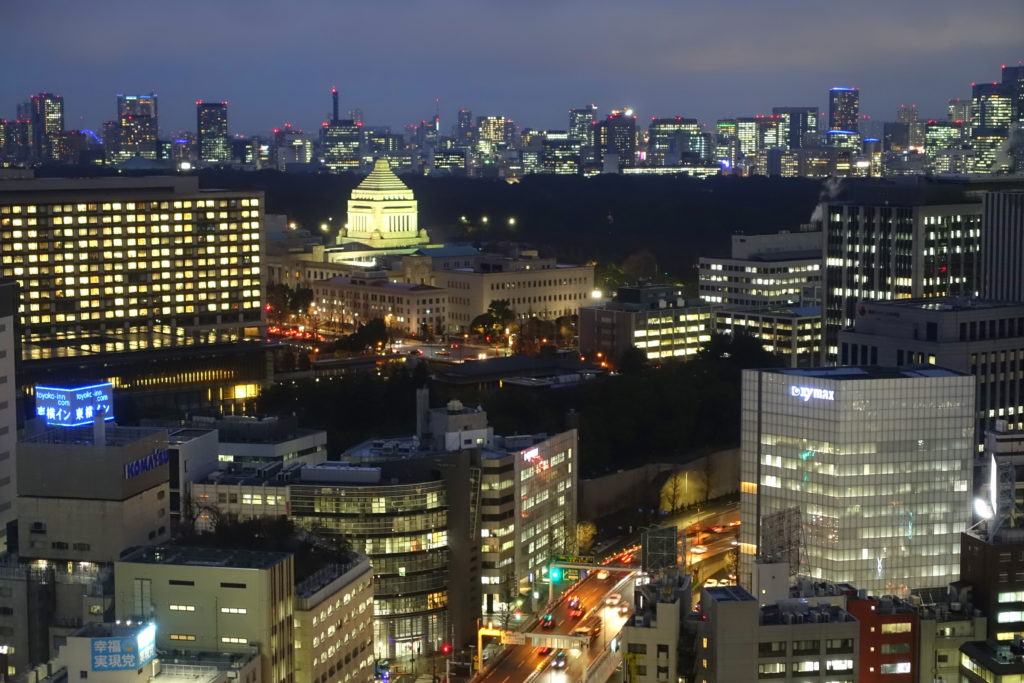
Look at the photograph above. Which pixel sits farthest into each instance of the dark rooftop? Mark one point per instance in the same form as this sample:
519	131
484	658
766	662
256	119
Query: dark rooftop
869	372
205	557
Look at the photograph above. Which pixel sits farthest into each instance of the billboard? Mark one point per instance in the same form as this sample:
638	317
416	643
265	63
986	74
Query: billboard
74	406
124	653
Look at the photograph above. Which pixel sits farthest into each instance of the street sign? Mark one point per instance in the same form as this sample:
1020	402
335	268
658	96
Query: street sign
513	638
575	559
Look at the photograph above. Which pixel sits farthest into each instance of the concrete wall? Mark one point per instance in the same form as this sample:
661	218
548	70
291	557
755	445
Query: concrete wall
626	489
689	483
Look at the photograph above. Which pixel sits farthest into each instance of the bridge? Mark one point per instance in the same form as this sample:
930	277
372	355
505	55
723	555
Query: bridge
588	655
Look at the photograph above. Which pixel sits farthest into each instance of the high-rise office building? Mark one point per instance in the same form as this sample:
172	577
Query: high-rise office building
8	404
46	113
615	138
992	113
907	114
136	128
844	109
581	121
800	126
115	265
890	241
342	144
1013	83
212	132
670	141
875	463
958	110
1003	245
976	336
464	128
940	136
490	135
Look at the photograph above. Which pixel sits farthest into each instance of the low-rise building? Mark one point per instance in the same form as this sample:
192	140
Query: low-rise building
650	639
948	620
213	600
533	286
656	319
126	653
344	302
791	640
987	661
85	494
334	624
889	630
793	332
781	269
249	440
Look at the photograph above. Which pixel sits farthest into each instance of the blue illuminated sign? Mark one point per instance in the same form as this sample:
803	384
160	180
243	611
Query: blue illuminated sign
157	458
807	393
124	654
74	406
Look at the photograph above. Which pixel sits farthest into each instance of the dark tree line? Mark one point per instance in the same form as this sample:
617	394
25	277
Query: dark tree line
642	415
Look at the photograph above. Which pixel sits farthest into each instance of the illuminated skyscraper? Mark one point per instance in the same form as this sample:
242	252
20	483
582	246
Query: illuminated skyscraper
464	128
490	135
616	135
581	121
874	463
958	110
46	117
907	114
342	143
212	129
137	127
669	141
844	109
799	125
992	114
1013	83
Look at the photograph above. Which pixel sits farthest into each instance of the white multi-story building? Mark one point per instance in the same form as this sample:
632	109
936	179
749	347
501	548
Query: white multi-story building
876	462
528	512
781	269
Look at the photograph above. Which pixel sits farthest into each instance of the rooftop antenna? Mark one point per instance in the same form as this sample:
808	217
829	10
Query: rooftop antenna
334	97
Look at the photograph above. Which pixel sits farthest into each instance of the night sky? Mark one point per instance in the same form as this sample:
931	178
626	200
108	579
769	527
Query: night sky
529	59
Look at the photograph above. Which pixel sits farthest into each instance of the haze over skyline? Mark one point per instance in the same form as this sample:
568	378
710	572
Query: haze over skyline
275	62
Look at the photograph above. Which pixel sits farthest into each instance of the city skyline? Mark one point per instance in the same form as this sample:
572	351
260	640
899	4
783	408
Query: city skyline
281	71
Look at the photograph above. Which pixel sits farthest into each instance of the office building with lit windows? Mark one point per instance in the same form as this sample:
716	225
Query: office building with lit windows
778	269
115	265
977	336
799	126
135	132
658	320
844	109
46	112
738	640
791	332
342	144
212	139
876	463
887	240
414	514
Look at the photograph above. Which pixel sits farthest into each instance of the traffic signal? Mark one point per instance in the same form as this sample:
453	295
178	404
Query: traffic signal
446	649
555	573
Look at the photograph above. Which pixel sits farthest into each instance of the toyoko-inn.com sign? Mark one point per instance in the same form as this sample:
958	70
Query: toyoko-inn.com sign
74	406
809	393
